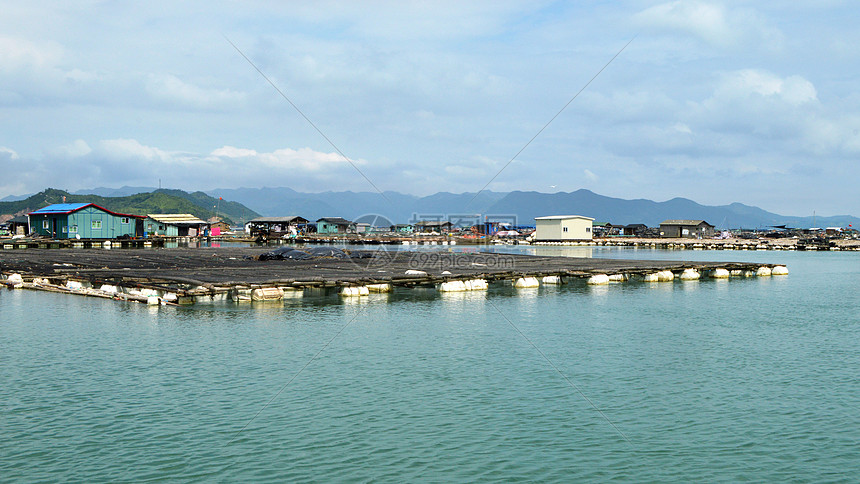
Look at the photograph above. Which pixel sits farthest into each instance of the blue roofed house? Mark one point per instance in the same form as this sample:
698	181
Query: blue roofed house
84	221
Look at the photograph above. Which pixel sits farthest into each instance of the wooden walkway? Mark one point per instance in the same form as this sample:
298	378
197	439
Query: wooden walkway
190	272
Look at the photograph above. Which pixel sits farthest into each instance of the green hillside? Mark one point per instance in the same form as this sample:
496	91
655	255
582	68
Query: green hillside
161	201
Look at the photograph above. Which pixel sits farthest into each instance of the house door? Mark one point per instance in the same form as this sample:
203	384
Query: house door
55	231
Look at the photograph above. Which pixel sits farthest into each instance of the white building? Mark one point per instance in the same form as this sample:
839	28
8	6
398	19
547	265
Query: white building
562	227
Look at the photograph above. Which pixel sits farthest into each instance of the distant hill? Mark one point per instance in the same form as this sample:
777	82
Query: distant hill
525	206
160	201
397	207
528	205
115	192
242	204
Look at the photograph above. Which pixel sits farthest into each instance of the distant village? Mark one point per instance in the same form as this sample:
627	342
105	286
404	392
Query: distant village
88	221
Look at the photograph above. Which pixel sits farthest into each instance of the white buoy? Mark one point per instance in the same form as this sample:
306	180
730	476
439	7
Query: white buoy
720	273
170	297
108	288
551	280
779	271
15	281
477	285
665	276
293	292
413	272
267	294
653	277
74	286
524	282
452	286
617	277
354	291
598	280
153	301
690	275
379	288
763	271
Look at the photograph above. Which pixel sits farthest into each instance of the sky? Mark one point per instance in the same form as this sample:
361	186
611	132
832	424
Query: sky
739	101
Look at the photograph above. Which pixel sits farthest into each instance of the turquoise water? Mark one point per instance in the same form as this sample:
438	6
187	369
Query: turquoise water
740	380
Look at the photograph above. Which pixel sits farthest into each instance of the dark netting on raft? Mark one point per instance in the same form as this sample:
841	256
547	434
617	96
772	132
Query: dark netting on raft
284	253
332	252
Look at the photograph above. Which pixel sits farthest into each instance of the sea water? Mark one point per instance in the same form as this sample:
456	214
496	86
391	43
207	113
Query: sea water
748	379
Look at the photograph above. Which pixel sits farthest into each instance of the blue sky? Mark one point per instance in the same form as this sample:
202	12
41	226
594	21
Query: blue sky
754	102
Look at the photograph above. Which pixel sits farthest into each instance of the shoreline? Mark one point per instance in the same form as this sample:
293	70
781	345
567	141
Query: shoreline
442	241
189	275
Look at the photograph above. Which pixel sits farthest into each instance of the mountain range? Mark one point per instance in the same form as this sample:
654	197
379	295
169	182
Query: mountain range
198	204
242	204
523	206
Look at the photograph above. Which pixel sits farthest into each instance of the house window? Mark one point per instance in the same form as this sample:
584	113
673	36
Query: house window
588	229
123	220
564	229
97	225
46	224
73	229
65	229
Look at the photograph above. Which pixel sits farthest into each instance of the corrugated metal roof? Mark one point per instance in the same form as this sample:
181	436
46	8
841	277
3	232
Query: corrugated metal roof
60	208
335	220
173	218
562	217
434	223
682	222
277	220
66	208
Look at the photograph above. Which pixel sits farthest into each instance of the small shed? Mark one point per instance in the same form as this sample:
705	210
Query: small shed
335	225
19	225
275	226
174	225
84	221
635	230
403	228
686	229
440	226
218	227
556	228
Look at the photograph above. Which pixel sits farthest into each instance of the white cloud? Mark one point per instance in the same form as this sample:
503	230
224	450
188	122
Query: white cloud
739	85
76	149
117	162
304	159
704	20
171	89
422	92
233	152
19	54
130	149
682	128
712	23
7	154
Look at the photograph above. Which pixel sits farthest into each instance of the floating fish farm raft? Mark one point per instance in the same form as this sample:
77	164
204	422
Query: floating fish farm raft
189	275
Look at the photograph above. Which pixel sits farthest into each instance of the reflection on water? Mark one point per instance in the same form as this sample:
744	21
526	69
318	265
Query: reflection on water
203	243
711	381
